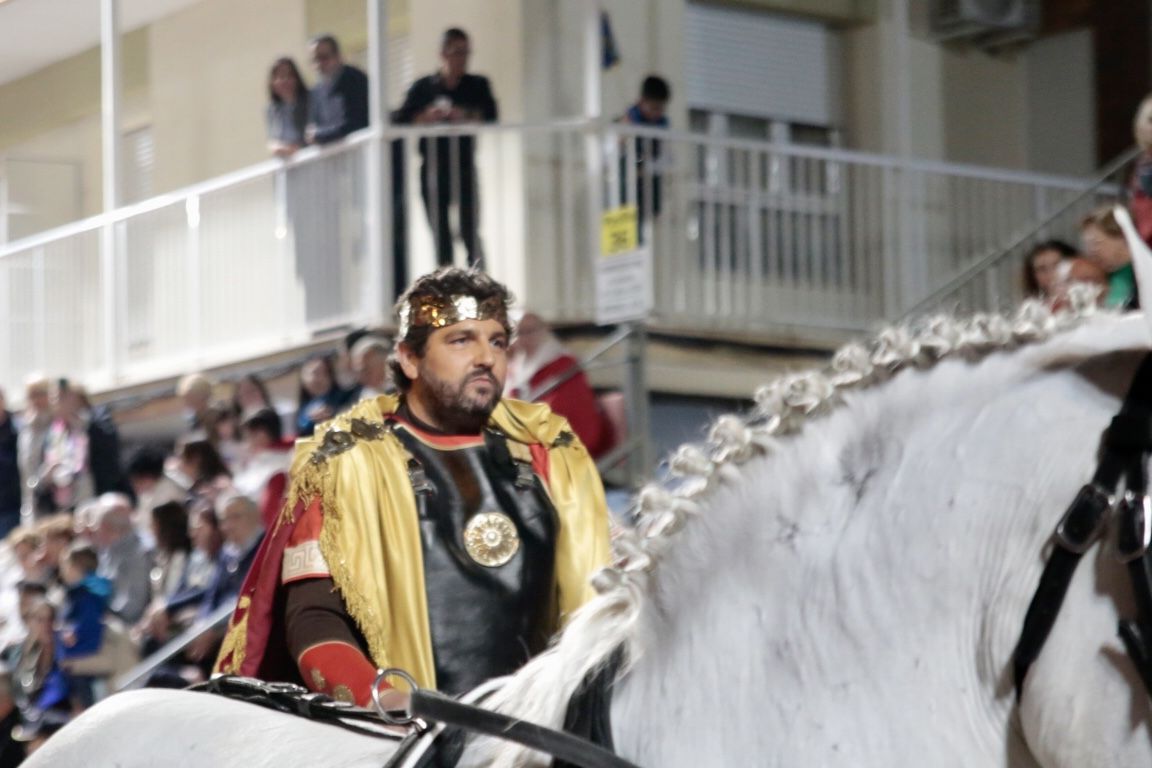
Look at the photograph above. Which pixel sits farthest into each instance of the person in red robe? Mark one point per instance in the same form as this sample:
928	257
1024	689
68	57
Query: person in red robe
542	371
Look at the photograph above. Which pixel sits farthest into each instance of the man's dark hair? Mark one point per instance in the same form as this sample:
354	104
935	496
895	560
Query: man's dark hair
326	39
267	421
31	587
655	88
147	461
452	35
443	284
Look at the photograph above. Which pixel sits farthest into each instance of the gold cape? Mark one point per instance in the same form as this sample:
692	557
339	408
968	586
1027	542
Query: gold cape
370	534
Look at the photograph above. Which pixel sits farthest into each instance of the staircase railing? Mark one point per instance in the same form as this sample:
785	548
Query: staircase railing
999	270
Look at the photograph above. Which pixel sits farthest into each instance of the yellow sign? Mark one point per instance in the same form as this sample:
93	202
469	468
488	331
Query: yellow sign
618	230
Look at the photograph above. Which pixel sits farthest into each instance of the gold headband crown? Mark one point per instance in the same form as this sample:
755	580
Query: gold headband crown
438	312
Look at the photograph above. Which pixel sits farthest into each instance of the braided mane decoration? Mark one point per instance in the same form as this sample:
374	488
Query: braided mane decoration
541	690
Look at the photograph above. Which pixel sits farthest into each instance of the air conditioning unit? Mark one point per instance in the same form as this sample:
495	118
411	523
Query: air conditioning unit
987	23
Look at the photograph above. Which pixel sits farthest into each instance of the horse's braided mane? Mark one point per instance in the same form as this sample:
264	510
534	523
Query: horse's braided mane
542	689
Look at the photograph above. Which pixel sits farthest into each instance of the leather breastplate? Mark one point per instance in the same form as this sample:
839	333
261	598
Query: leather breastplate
485	620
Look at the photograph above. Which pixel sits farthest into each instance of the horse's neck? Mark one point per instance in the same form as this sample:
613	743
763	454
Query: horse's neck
879	563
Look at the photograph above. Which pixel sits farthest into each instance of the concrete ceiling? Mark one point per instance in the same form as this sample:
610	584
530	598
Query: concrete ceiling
36	33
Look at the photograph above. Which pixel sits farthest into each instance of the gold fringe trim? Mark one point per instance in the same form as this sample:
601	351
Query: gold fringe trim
236	640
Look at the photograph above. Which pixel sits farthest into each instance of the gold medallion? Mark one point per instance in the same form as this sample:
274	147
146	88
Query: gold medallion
491	539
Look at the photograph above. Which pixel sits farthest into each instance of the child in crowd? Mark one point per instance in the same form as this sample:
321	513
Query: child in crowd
82	636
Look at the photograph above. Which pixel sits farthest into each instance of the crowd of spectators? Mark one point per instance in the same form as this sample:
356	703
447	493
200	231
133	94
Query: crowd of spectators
112	553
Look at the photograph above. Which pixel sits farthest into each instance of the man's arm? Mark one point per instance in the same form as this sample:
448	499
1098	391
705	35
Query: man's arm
323	640
489	113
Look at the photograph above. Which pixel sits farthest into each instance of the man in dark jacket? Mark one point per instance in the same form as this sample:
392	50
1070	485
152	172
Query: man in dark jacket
9	471
448	175
338	104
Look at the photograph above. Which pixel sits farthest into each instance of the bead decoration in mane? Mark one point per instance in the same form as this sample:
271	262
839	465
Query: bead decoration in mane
541	690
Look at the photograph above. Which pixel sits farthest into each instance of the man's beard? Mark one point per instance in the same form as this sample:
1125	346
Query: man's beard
454	409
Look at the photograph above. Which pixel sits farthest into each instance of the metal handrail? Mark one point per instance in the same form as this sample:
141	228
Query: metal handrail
984	263
139	674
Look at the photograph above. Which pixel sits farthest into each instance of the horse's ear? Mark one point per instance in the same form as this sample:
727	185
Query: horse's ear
1141	260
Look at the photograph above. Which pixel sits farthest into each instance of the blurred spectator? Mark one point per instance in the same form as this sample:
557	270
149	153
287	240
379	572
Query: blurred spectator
201	464
151	484
338	104
65	479
25	545
30	443
82	634
264	476
10	486
222	429
287	115
1052	266
243	531
250	394
123	560
41	692
56	535
11	751
175	613
173	549
370	364
448	174
1105	246
649	111
320	396
1140	185
540	369
195	390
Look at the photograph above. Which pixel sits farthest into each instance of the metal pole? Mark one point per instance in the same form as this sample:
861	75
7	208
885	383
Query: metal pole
636	398
377	171
110	156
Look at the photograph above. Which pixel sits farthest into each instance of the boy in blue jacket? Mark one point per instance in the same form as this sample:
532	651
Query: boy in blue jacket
87	598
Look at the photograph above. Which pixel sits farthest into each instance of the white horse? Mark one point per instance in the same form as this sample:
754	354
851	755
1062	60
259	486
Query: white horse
837	579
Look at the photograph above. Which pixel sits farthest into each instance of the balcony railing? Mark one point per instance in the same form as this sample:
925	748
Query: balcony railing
747	238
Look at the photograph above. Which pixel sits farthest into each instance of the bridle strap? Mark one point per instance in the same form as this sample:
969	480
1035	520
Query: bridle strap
563	746
1125	447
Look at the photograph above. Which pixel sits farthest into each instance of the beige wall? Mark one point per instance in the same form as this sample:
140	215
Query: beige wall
209	69
1061	129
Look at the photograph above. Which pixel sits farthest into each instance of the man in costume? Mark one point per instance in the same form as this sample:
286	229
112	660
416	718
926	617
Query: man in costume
445	531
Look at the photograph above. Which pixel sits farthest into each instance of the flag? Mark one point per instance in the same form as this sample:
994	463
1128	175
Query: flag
609	55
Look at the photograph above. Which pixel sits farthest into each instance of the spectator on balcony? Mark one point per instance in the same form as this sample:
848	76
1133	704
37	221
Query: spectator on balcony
222	430
1140	184
1105	246
287	115
10	486
30	443
25	545
195	391
370	364
649	111
321	397
338	104
56	534
540	369
123	559
448	172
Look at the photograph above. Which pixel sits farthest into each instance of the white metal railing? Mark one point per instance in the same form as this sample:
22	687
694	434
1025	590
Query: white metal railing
747	237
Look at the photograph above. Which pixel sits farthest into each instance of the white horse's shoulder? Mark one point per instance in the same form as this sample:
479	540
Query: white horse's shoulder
184	729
